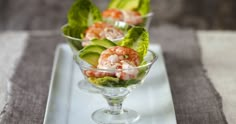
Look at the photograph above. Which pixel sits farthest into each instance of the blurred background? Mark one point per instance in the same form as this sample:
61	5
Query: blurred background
51	14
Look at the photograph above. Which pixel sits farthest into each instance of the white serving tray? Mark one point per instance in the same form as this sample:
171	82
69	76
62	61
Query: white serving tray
67	104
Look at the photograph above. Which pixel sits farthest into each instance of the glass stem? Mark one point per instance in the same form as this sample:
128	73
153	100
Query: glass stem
115	104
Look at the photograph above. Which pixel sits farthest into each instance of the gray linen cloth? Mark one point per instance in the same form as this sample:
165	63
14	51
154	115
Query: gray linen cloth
195	99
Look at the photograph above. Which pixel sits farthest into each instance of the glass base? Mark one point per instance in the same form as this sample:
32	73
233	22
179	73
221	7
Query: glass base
86	86
103	116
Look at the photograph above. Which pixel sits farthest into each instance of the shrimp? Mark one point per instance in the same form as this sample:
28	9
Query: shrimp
100	30
132	17
92	73
116	54
123	59
128	16
113	14
119	58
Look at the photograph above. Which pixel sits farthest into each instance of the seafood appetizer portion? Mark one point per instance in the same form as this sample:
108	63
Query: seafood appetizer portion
117	57
85	23
121	64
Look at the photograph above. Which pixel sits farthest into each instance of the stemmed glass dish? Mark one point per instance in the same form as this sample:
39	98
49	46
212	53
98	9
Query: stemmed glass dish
115	89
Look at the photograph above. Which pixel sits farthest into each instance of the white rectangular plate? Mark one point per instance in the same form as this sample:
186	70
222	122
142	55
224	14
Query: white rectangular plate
67	104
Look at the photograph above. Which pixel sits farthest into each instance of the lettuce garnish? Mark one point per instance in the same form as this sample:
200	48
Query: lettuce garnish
81	15
137	38
142	6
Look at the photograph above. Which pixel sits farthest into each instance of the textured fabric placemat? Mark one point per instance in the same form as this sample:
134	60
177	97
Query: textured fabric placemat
12	44
30	83
195	99
218	57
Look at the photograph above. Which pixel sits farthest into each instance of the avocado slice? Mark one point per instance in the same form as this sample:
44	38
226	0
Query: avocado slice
125	4
93	48
90	57
103	42
91	53
141	6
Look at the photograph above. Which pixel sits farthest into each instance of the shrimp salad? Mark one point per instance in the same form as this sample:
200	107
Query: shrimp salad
116	65
86	22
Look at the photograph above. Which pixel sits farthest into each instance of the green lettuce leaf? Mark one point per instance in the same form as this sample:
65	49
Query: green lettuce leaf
137	38
142	6
83	13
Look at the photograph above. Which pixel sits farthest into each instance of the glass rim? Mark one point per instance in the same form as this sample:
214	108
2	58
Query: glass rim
67	36
155	57
74	38
148	14
79	39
